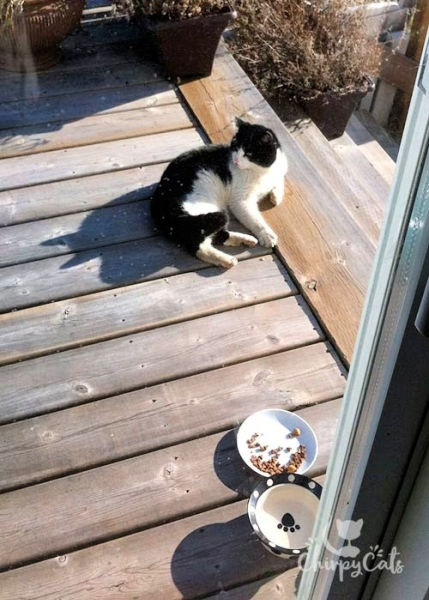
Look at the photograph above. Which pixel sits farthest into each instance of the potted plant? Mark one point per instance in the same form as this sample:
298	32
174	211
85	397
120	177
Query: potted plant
184	33
31	31
316	52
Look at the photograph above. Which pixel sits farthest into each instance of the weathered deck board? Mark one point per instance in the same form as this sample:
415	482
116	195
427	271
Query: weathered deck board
90	36
325	249
78	195
92	130
96	158
79	375
54	83
364	201
79	105
75	321
375	143
113	384
361	166
107	430
113	500
77	57
94	270
181	560
277	587
71	233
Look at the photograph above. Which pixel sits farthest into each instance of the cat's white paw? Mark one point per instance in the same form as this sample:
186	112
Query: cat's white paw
230	262
240	239
249	240
267	238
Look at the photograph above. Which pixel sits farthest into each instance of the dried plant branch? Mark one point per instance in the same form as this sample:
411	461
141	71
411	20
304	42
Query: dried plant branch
171	10
303	48
9	9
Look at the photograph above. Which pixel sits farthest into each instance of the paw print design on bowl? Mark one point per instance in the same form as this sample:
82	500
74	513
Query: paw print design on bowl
288	523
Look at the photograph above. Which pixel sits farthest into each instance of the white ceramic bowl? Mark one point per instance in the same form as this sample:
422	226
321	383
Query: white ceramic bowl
282	510
274	426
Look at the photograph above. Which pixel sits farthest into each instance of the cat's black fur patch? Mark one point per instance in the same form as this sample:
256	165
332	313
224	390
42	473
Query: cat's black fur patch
176	182
259	143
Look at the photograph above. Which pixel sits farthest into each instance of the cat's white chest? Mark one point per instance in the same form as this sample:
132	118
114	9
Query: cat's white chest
258	182
209	194
275	174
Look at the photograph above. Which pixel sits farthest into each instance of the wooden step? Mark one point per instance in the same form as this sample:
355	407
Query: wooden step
106	430
140	492
358	164
364	201
365	158
376	142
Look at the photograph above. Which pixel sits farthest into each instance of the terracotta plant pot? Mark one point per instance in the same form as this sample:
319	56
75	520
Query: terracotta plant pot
186	48
31	42
331	111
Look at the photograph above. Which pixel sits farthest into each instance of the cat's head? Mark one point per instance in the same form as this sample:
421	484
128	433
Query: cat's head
253	146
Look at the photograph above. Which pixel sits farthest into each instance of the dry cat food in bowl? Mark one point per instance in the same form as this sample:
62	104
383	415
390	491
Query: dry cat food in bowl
282	510
275	441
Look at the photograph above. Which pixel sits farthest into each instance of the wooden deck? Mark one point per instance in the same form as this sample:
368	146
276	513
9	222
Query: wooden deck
334	204
127	364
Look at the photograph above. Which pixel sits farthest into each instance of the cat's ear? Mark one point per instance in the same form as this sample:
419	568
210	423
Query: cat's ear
239	122
267	137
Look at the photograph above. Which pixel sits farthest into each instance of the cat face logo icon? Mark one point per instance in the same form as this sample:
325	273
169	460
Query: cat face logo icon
349	530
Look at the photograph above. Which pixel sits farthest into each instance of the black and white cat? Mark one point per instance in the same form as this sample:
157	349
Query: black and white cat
199	188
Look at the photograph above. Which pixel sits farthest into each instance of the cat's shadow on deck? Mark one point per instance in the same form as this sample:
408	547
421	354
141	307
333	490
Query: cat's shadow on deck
120	242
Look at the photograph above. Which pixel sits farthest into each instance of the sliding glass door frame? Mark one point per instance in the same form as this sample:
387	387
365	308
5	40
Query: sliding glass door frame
381	434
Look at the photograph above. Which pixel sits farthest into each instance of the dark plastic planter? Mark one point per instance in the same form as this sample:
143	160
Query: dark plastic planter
186	48
331	111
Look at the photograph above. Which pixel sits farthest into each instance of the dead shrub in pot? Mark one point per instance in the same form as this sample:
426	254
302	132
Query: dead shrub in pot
317	53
